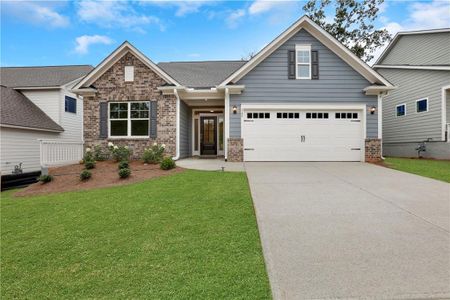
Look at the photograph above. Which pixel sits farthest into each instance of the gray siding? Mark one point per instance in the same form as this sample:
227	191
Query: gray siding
185	130
268	83
420	49
413	85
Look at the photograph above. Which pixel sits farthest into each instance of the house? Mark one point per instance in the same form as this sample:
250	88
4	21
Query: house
36	104
418	64
304	97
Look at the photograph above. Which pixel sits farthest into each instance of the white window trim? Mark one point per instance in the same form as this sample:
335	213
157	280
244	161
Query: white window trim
428	105
404	104
128	119
128	70
302	48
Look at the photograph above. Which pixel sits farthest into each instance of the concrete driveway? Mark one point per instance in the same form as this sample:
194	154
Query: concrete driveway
352	230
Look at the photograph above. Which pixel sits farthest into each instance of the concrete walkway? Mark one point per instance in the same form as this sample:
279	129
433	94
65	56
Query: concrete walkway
352	230
210	164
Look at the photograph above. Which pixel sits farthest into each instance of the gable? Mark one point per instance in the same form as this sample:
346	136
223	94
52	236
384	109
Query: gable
332	69
426	49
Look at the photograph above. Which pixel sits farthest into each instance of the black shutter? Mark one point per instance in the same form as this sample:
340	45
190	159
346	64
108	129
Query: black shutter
153	119
103	120
315	64
291	64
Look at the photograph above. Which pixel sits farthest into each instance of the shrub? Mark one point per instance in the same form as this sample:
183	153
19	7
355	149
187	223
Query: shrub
119	153
88	156
100	154
85	175
124	165
45	178
89	164
154	154
124	173
167	163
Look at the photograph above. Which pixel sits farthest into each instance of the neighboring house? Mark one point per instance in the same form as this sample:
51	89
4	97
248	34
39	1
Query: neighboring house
36	104
304	97
418	64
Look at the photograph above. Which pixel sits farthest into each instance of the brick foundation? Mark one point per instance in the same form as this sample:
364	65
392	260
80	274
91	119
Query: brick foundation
373	150
235	150
112	87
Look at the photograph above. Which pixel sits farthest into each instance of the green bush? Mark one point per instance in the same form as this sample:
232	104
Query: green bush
154	154
45	178
119	153
85	175
124	173
89	164
124	165
100	153
88	156
167	163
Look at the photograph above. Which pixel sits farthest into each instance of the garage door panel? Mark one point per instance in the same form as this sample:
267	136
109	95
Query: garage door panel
302	139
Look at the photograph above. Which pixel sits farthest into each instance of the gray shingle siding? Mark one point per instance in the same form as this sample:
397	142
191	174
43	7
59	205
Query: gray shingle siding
420	49
185	130
338	83
413	85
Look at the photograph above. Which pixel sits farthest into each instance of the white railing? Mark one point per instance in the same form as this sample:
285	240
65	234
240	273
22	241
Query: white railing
60	152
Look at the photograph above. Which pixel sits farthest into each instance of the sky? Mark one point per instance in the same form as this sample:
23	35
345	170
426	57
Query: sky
37	33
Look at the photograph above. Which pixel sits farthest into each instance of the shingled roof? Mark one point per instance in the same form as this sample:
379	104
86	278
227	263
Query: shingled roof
47	76
201	74
18	110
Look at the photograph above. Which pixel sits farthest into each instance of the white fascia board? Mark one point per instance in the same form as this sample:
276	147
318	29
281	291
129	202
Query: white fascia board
436	68
37	87
376	89
30	128
114	57
324	37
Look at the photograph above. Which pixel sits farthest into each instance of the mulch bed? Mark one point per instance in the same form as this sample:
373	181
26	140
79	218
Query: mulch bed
67	178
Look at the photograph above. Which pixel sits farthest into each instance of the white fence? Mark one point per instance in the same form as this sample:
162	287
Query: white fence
60	152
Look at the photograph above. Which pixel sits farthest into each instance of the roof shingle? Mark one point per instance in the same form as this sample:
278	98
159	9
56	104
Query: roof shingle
18	110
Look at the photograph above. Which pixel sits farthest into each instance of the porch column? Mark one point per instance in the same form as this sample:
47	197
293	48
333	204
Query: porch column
227	122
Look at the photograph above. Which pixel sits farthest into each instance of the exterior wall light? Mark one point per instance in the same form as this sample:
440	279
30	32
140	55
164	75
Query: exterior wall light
234	109
373	109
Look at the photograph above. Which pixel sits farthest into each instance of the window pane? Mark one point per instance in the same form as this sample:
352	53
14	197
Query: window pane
267	115
114	106
355	115
134	114
255	115
314	115
220	134
291	115
308	115
144	106
249	115
401	110
143	114
119	128
325	115
297	115
135	106
278	115
303	56
349	115
70	105
285	115
123	114
303	71
422	105
123	106
139	127
338	116
114	115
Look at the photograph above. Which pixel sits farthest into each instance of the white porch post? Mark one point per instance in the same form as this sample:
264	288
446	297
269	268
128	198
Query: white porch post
227	121
380	116
178	127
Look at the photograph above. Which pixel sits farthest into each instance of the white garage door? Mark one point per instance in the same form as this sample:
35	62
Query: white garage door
312	135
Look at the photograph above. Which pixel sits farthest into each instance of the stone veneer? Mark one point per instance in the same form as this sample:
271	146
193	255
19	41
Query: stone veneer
111	86
235	150
373	150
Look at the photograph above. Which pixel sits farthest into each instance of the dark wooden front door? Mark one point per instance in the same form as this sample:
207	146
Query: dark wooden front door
208	135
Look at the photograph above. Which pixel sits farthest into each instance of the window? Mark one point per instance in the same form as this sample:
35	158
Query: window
303	61
258	115
422	105
400	110
70	105
129	119
317	115
288	115
346	115
129	73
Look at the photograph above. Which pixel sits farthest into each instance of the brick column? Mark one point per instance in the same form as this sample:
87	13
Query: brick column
235	150
373	150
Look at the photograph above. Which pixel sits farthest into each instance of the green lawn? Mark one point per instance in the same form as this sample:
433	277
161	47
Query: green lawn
192	235
437	169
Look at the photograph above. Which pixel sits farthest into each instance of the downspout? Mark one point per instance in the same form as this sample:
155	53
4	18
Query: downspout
177	142
227	121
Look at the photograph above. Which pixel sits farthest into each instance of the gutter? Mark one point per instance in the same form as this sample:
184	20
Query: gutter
177	143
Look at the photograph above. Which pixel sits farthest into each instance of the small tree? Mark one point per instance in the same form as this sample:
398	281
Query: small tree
352	24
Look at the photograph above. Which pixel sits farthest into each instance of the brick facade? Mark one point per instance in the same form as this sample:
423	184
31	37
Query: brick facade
111	86
235	150
373	150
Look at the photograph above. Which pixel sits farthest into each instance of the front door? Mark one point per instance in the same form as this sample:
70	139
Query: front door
208	135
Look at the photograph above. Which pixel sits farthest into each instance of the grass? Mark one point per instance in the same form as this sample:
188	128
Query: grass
437	169
192	235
